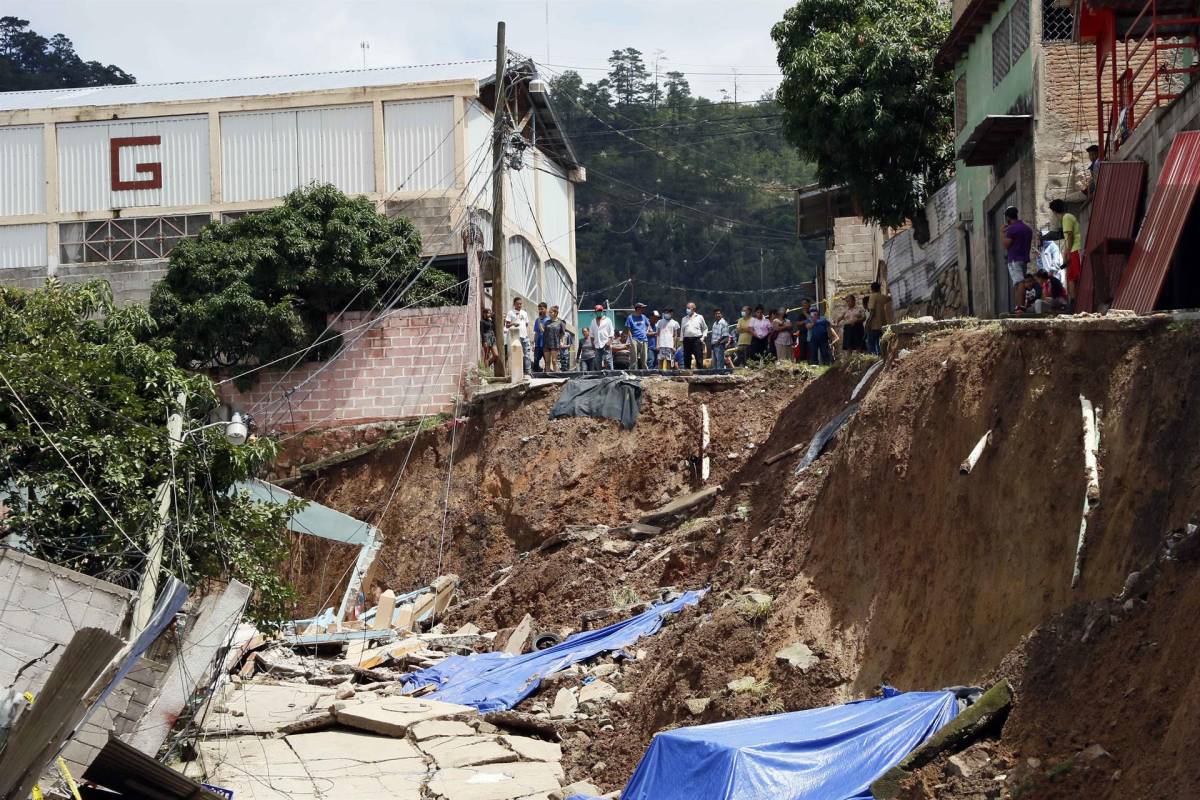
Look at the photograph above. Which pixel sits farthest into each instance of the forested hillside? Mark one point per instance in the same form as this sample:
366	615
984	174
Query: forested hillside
686	197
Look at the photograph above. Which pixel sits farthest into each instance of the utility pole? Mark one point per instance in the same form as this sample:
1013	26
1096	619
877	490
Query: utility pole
149	585
735	86
499	292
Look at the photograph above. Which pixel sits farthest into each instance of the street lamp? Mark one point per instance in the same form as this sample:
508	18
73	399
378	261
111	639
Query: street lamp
237	430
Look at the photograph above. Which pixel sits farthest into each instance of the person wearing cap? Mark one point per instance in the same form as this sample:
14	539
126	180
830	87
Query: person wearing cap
602	336
638	325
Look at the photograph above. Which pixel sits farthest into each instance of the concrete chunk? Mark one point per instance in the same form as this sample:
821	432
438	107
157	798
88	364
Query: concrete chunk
597	691
439	727
530	749
798	656
393	716
260	708
466	751
565	704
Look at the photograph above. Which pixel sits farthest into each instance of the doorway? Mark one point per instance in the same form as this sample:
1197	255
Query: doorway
1002	283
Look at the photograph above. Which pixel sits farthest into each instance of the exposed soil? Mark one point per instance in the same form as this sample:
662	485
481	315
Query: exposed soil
881	558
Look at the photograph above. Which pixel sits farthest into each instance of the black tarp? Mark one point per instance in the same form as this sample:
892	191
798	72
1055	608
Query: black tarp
607	397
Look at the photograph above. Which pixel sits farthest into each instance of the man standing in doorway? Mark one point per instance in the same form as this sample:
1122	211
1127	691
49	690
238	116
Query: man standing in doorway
1017	238
516	328
638	325
602	335
879	311
693	330
538	340
1093	152
1072	246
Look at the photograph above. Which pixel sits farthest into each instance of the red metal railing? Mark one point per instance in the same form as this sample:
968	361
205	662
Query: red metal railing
1148	79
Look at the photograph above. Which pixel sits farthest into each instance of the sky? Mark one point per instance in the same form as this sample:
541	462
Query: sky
170	40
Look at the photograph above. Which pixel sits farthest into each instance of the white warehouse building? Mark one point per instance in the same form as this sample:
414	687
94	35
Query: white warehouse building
104	181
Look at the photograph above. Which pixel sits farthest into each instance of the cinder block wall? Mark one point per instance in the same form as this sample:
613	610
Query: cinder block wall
414	362
42	605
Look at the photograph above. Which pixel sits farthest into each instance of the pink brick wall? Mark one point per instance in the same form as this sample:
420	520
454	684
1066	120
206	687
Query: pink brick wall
410	363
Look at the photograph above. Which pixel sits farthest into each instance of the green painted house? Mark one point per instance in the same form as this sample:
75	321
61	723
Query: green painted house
1023	121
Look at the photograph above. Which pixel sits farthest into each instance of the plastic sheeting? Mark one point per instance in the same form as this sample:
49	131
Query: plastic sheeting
616	397
831	753
498	681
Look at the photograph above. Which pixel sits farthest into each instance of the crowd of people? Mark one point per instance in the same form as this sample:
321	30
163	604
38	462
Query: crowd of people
1045	265
653	340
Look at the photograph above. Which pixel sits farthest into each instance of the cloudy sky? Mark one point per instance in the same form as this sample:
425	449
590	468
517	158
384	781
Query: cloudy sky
170	40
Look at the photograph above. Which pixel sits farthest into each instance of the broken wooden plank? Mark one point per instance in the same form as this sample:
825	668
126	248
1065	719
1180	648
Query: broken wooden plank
796	448
681	505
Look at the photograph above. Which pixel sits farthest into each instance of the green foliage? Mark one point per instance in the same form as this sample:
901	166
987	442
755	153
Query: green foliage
703	198
260	287
103	395
31	61
863	99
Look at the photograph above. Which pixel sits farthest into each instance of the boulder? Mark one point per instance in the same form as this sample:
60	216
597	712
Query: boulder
798	656
597	691
565	704
697	705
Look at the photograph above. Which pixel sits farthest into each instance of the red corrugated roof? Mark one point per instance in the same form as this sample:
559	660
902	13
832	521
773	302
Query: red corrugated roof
1170	205
1114	215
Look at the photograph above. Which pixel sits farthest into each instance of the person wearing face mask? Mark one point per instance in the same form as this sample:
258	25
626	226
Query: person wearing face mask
760	327
693	329
744	337
667	330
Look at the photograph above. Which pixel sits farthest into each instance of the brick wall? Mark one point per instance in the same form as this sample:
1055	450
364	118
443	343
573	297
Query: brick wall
42	605
410	363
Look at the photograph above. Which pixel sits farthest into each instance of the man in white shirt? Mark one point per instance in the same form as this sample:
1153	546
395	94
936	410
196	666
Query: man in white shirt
602	334
693	329
516	328
667	328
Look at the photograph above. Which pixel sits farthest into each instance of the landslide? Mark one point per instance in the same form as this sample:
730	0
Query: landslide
881	559
518	478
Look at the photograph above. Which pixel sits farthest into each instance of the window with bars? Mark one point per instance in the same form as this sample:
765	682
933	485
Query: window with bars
1058	21
960	104
1009	40
133	239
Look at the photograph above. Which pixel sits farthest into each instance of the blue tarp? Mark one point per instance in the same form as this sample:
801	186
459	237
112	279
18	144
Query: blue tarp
498	681
831	753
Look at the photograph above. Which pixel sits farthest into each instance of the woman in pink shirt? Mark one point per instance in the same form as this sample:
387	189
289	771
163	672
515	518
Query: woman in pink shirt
761	327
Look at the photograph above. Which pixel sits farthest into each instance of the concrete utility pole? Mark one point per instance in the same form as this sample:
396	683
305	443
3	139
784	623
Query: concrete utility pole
149	586
499	145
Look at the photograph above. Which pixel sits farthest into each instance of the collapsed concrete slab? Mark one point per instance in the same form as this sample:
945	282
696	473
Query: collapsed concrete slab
394	716
497	782
466	751
262	708
433	728
530	749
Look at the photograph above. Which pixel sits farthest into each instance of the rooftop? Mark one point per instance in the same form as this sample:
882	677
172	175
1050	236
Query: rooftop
182	91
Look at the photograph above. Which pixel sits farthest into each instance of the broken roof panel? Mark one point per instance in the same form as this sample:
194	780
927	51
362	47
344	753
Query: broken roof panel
314	519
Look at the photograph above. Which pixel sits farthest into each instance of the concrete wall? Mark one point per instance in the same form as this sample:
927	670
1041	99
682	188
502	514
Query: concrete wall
42	605
853	262
412	363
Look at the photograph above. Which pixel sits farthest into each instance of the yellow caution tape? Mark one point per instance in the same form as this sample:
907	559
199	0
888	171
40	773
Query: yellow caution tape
61	763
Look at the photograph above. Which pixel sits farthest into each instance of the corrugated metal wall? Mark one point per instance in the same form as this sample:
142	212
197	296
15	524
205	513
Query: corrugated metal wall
265	155
419	144
23	170
85	178
22	246
479	155
555	209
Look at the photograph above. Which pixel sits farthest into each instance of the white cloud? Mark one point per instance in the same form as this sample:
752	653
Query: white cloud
169	40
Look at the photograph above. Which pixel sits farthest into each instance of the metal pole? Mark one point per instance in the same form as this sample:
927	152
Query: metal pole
149	585
499	293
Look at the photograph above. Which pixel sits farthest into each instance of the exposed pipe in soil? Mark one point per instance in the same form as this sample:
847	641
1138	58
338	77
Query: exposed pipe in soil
1091	469
965	467
824	435
870	373
704	436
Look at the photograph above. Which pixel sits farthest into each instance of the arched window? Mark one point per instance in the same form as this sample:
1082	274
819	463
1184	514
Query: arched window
521	268
560	291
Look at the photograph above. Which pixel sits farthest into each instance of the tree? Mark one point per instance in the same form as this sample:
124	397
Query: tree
679	93
261	287
863	99
82	385
628	75
31	61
